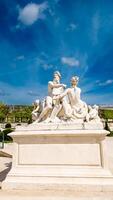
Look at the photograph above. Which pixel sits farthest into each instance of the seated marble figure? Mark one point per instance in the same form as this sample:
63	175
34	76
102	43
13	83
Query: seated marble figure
49	104
63	104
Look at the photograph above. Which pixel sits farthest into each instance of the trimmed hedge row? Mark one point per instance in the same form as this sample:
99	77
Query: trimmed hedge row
4	134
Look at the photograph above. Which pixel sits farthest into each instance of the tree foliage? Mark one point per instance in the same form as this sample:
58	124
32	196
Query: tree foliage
4	110
15	113
106	114
5	133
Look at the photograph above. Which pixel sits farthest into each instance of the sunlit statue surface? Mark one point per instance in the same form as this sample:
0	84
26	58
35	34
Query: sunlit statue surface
64	105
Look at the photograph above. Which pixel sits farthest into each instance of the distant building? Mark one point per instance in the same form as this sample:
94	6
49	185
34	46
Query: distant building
106	107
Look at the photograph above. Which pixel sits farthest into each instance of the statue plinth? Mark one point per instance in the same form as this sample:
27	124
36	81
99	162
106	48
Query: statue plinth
59	159
63	126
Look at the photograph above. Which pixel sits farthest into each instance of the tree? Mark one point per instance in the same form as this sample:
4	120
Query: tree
4	109
107	114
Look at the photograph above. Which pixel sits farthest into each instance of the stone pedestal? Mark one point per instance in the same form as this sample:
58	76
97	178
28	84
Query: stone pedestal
59	159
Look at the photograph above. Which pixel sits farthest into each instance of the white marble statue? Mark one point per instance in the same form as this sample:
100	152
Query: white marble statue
74	108
92	115
63	104
49	107
35	110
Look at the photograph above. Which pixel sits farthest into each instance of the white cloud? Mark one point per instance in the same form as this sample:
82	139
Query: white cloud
97	81
47	66
83	63
71	61
22	57
71	27
15	28
44	63
107	82
52	13
31	13
32	93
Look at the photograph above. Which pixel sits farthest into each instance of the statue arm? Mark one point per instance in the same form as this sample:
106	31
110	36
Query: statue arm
67	91
60	96
63	94
36	110
78	93
53	85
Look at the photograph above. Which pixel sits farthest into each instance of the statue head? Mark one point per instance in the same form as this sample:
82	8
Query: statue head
36	103
74	80
95	107
57	76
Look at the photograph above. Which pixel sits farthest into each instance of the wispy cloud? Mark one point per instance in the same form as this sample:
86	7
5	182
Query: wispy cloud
47	66
10	94
98	98
71	61
52	13
56	1
71	27
57	21
95	28
31	13
32	93
4	93
21	57
83	58
107	82
44	63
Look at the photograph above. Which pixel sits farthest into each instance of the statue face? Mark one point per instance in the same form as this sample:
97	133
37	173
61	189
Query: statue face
56	77
73	82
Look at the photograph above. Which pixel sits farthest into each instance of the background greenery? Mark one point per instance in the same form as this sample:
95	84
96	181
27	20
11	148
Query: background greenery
18	113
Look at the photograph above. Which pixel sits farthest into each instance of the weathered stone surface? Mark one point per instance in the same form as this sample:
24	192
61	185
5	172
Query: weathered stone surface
67	159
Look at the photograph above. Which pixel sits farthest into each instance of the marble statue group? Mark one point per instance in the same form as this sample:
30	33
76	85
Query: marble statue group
65	146
64	104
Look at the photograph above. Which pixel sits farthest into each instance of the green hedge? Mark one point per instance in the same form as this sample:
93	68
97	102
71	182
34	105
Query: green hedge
106	114
6	136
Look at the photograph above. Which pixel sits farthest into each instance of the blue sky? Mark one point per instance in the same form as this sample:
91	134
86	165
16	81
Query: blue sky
39	37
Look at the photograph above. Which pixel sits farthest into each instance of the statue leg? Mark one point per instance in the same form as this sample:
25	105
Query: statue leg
67	109
47	108
55	111
34	116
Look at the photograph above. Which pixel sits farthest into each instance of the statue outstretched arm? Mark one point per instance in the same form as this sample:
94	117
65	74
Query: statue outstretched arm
62	95
54	85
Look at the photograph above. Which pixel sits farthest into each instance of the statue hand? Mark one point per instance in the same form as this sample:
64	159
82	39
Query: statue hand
56	97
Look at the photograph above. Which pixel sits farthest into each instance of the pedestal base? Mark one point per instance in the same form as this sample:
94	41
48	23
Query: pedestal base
59	160
57	184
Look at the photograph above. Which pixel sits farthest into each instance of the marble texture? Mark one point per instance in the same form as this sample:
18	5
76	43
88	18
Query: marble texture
58	159
64	104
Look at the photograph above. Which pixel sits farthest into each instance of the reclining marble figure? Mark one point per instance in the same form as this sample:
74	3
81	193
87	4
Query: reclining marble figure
74	108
